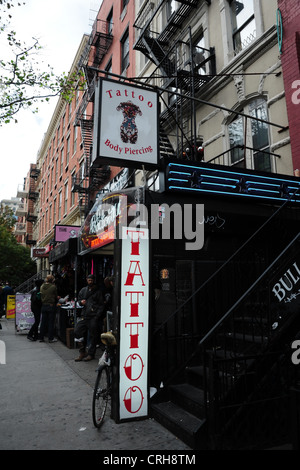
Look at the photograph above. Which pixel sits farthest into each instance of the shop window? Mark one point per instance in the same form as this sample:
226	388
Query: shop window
243	23
256	138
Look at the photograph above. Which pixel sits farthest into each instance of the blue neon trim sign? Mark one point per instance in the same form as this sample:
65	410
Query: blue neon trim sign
205	178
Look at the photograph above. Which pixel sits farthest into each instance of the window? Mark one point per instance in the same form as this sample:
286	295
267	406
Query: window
124	4
75	139
59	204
72	192
50	216
199	55
260	135
108	68
125	52
257	138
68	151
110	22
171	7
243	23
54	210
66	198
56	169
61	161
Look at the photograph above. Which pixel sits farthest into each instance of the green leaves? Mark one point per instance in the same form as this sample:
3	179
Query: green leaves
16	264
23	83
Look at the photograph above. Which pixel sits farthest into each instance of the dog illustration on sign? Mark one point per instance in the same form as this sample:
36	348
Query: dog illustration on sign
128	129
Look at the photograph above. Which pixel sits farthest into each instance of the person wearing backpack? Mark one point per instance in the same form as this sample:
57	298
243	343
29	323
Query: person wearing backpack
36	308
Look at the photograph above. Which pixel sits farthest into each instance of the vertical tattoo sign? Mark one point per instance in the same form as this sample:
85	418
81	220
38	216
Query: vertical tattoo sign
134	323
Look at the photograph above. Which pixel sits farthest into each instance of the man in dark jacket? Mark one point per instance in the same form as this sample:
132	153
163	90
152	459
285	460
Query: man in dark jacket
91	299
49	300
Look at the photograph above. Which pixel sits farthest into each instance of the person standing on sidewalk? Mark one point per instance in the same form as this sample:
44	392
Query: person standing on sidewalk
49	300
36	307
90	297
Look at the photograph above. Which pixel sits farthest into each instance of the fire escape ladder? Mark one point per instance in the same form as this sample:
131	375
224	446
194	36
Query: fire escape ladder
165	147
157	54
86	126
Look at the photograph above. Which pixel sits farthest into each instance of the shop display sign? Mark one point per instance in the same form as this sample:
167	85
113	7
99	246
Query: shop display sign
24	315
108	214
134	324
11	306
64	232
210	179
127	125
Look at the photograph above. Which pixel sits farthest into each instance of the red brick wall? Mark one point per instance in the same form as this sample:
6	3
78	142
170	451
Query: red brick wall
290	57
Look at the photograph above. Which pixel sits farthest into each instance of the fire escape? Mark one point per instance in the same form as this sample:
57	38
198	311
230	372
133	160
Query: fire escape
33	195
182	69
88	180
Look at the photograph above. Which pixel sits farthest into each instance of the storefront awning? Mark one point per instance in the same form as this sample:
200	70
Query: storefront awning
69	247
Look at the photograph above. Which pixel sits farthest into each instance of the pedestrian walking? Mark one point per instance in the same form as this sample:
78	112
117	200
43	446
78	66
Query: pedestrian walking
36	308
88	327
49	301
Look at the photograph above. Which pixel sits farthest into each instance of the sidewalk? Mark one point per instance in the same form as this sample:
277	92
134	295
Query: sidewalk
45	403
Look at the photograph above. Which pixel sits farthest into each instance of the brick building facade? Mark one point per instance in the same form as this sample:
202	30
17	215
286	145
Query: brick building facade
288	21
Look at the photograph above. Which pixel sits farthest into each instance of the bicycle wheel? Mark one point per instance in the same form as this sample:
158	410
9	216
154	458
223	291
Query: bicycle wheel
100	396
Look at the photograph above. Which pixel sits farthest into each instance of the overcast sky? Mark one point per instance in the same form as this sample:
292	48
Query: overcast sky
59	25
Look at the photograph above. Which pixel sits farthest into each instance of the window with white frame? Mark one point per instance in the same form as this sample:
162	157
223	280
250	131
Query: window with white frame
243	23
199	55
249	138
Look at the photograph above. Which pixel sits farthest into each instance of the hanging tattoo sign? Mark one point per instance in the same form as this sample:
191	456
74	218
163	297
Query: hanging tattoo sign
126	125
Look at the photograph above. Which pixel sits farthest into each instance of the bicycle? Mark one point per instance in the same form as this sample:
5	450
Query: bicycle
103	383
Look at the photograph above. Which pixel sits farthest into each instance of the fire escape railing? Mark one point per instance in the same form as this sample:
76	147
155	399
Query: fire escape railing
225	159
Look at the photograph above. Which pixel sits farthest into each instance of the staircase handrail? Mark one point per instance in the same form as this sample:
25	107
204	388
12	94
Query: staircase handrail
39	275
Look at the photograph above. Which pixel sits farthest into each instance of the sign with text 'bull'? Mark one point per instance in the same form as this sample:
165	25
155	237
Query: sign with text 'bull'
126	125
134	324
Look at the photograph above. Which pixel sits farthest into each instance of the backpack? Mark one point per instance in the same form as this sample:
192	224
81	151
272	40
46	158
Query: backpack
36	299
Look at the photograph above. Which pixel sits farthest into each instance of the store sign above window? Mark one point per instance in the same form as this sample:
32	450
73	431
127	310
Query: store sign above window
210	179
110	212
126	125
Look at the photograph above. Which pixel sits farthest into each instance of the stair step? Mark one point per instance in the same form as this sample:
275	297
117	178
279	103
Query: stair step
188	397
179	421
247	337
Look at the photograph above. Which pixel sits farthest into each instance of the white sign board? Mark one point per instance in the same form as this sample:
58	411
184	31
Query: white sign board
128	125
134	324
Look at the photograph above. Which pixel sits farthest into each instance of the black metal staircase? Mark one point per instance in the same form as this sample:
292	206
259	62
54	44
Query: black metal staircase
228	386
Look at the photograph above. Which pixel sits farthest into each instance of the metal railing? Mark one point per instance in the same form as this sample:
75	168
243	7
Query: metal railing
29	284
225	158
